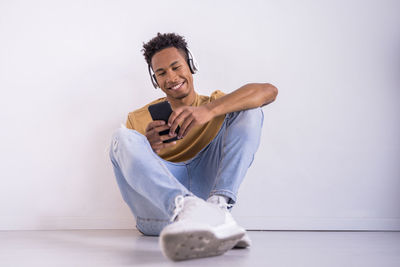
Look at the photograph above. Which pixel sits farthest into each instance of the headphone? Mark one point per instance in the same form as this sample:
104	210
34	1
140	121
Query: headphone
193	66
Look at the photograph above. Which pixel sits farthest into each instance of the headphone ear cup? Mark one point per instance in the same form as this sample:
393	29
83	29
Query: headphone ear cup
193	65
190	63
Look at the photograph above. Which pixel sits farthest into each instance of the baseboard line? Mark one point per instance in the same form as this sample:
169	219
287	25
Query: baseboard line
252	223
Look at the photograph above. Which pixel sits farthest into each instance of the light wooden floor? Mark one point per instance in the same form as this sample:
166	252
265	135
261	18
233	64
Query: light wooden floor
129	248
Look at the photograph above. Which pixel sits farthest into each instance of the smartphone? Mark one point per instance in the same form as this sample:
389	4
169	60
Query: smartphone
161	111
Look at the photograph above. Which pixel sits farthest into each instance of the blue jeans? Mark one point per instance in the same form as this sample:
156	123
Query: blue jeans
150	184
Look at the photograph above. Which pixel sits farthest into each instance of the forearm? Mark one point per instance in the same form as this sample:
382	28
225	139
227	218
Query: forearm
246	97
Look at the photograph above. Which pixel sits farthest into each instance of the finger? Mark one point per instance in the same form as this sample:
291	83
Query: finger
154	140
154	137
158	147
155	132
184	125
177	121
188	129
166	137
160	128
166	145
154	124
173	115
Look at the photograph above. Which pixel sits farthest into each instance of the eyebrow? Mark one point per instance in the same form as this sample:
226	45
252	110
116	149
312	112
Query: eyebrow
173	63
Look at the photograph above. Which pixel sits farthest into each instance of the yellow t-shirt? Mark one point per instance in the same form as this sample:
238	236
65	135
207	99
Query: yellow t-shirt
198	137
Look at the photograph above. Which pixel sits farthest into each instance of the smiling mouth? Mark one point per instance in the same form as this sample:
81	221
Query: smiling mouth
177	86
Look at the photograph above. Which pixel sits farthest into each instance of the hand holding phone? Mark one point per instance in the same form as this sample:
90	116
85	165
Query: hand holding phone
162	111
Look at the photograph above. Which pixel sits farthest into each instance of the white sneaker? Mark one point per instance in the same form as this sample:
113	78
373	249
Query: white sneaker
200	229
220	201
244	242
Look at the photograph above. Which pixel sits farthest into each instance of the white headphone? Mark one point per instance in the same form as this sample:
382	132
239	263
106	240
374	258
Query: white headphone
193	66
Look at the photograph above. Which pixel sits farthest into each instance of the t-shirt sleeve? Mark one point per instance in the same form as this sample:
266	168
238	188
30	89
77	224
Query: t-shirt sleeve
138	120
129	123
216	94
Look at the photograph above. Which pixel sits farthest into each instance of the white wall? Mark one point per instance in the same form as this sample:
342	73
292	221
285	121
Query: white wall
70	71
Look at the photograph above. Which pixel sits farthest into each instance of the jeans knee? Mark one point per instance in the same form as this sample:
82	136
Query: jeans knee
124	139
121	133
248	123
254	118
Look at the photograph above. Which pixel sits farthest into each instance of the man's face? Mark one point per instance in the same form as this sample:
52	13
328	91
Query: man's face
172	73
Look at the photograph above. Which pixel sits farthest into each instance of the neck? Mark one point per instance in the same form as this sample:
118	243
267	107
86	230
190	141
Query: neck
185	101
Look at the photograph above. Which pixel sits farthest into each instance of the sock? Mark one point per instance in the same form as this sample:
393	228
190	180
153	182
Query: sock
218	199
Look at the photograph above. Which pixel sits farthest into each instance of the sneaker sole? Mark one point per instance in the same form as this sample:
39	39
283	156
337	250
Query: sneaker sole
196	244
244	242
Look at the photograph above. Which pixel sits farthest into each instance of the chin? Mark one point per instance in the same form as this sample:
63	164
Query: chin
178	96
181	96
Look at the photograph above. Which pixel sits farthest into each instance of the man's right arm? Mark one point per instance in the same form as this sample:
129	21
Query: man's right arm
152	133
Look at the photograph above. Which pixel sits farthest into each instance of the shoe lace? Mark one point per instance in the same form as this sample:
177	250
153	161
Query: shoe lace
178	207
184	205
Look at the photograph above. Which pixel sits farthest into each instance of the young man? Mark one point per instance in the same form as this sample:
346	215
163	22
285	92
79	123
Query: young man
183	190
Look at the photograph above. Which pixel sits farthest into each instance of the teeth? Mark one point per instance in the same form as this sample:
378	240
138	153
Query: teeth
176	86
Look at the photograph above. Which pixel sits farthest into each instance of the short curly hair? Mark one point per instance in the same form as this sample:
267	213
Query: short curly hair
162	41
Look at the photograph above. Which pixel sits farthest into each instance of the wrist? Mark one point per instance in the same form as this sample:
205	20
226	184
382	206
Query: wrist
211	110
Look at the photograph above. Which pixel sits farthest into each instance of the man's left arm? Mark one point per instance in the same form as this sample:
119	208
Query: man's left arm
249	96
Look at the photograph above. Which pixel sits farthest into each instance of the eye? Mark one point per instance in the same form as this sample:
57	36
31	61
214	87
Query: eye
161	73
175	68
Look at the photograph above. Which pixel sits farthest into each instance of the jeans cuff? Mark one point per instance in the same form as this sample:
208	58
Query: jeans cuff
226	193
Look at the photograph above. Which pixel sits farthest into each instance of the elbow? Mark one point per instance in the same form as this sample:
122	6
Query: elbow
274	91
270	93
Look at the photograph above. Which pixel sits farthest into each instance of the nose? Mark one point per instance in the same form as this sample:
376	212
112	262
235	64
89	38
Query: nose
171	77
